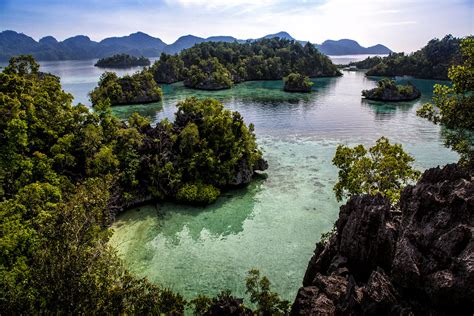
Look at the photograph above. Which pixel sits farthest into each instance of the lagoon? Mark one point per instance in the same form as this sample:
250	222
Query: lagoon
274	223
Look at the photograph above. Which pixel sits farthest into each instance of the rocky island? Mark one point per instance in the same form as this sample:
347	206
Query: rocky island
135	89
219	65
413	260
122	61
296	82
387	90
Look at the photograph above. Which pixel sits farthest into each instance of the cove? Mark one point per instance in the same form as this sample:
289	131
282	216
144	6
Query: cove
272	224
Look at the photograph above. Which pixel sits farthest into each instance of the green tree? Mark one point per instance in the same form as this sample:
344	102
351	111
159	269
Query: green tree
122	61
453	107
383	168
137	88
268	302
296	82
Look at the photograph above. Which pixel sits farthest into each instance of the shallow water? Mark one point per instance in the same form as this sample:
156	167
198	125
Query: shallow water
274	223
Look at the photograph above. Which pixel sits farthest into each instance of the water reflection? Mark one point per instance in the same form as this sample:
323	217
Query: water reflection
387	110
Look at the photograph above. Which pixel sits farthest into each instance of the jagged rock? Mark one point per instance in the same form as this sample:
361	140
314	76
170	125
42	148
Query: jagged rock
380	261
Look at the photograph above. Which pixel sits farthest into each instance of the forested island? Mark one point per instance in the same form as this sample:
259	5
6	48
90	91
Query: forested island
122	61
430	62
297	83
138	88
219	65
388	90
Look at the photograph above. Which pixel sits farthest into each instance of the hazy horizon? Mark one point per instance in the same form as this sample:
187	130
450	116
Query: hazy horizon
404	25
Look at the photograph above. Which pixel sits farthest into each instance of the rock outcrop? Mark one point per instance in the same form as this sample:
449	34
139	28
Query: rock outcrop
415	260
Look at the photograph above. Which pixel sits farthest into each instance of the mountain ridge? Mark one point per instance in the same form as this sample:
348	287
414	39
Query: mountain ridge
141	44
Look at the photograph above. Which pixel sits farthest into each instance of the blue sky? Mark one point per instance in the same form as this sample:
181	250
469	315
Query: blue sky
403	25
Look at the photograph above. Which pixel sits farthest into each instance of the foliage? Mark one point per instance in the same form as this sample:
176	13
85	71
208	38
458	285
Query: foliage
297	82
430	62
453	106
367	63
137	88
208	74
388	90
259	289
325	237
268	302
198	193
168	69
224	64
65	171
383	168
122	61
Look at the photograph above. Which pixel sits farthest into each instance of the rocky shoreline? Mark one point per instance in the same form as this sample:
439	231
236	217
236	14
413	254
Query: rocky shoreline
417	259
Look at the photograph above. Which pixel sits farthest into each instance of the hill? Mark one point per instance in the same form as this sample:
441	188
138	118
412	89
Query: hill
140	44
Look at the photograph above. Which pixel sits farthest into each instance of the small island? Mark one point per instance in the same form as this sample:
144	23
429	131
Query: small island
135	89
387	90
122	61
296	82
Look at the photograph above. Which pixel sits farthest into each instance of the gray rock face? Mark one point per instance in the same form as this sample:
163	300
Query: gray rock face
380	261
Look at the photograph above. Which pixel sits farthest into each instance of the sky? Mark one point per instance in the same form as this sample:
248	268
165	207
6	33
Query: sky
402	25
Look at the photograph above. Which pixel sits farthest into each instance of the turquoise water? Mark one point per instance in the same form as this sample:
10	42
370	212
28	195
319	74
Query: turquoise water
274	223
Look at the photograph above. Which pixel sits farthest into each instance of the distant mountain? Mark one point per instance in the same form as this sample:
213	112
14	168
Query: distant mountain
136	44
283	35
350	47
141	44
183	42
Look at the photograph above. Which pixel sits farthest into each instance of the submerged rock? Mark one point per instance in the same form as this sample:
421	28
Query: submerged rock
416	260
387	90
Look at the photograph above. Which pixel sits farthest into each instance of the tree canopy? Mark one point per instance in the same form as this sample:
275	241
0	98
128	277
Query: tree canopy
297	83
228	63
388	90
66	171
137	88
122	61
453	106
383	168
430	62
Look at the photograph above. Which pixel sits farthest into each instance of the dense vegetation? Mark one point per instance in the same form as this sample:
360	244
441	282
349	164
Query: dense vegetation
59	165
383	168
122	61
65	171
220	64
453	106
430	62
208	74
267	303
168	69
387	90
297	83
137	88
